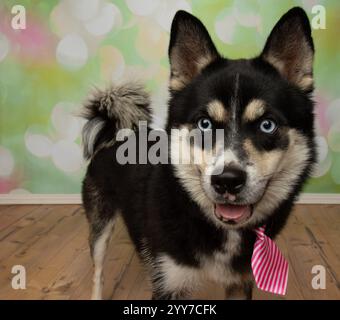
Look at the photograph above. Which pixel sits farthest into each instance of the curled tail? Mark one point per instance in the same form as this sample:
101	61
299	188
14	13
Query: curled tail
110	110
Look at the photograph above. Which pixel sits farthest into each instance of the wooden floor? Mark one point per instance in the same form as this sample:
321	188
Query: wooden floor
51	243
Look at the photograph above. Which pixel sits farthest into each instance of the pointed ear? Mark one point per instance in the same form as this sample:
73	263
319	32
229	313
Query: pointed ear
190	50
290	49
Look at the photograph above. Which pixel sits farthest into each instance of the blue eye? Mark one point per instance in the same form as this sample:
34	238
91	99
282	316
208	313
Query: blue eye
204	124
268	126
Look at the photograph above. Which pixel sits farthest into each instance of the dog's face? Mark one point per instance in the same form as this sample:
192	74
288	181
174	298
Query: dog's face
257	112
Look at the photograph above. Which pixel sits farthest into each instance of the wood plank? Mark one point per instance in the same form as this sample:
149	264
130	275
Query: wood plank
21	233
305	255
12	214
36	242
5	207
328	257
51	242
328	221
33	227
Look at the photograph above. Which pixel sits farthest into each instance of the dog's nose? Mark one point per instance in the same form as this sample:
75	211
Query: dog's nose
231	180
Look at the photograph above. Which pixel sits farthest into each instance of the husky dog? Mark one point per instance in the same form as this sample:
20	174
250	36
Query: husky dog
193	222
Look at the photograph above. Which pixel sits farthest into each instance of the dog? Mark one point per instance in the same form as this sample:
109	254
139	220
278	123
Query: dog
195	222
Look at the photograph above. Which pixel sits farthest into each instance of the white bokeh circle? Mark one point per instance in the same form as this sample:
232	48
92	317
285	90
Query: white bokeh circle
67	126
108	17
167	9
322	148
321	168
143	8
83	10
6	162
333	112
67	156
247	13
38	144
225	26
72	51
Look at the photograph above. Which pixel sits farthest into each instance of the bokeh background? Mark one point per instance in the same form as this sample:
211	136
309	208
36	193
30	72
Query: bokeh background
47	70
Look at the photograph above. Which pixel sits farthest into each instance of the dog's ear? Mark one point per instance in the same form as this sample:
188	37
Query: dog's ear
290	49
190	50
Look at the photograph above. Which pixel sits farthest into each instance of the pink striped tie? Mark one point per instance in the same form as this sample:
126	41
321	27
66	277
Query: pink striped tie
270	268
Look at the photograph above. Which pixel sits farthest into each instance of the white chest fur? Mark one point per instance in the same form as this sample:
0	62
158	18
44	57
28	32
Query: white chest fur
213	267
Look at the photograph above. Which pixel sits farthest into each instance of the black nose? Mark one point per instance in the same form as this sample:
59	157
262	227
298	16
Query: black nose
231	180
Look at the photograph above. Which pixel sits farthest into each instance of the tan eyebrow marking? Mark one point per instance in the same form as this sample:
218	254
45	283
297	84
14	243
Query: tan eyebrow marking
217	111
254	110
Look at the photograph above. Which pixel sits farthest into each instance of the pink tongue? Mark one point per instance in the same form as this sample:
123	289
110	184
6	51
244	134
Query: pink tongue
232	212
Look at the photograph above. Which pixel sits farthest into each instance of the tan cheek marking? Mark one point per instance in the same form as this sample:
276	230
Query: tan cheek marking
266	162
217	111
294	161
254	110
297	153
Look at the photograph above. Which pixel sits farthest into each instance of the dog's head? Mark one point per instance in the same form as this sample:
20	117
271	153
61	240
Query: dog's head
263	108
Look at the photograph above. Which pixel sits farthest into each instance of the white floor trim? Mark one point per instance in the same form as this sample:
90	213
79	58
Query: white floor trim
30	198
319	198
305	198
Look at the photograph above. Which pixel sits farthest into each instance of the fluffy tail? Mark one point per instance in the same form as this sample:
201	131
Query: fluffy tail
108	111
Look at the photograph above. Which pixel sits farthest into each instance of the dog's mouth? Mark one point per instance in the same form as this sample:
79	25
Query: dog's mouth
233	214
